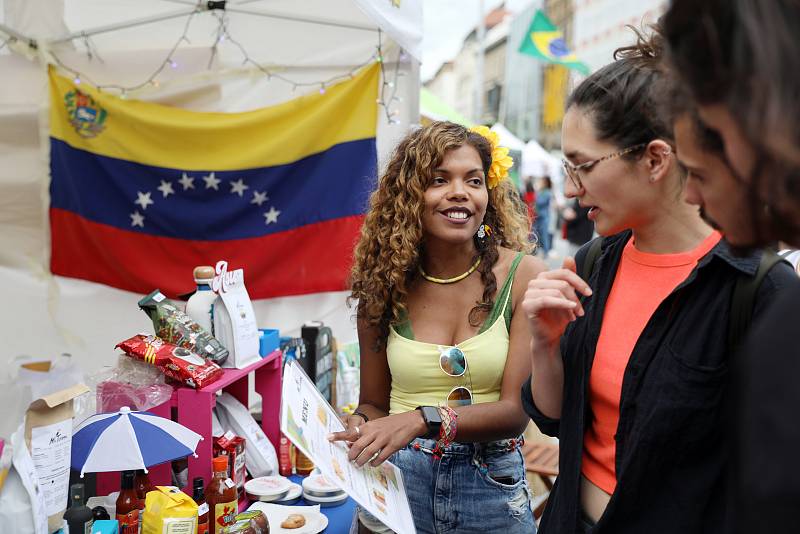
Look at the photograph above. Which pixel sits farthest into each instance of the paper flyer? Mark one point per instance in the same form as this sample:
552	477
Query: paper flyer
307	419
51	453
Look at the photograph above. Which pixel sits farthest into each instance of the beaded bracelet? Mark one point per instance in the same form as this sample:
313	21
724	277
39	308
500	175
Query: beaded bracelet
447	432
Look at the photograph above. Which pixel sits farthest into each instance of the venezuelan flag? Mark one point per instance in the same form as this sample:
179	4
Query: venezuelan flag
545	41
141	193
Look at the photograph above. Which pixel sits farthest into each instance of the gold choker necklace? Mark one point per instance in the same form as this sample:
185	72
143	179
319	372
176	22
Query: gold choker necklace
449	280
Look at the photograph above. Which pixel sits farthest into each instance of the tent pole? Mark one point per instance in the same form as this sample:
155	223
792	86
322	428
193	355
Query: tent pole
309	20
123	25
18	36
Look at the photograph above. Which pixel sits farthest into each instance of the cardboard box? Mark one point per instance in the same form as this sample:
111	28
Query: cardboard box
48	435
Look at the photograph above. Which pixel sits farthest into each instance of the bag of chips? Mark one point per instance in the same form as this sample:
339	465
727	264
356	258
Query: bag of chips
174	326
168	509
177	363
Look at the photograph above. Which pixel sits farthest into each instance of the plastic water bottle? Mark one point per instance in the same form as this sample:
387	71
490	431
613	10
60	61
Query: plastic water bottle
199	305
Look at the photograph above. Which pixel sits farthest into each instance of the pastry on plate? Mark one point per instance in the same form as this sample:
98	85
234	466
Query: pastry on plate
293	521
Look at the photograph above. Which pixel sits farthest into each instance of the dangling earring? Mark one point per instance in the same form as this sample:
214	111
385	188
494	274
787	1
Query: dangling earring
484	231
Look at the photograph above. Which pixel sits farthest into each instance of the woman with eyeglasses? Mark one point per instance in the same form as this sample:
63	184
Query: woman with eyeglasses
631	347
439	273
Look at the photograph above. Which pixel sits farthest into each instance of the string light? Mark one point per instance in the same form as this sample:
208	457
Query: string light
388	89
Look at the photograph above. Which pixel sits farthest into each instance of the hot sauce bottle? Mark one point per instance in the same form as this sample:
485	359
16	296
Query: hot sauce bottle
221	497
202	506
142	485
128	505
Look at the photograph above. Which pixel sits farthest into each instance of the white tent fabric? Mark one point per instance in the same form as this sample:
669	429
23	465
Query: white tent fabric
305	41
537	162
508	139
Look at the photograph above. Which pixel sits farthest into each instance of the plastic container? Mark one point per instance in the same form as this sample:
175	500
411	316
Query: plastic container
293	497
319	486
269	340
267	489
326	502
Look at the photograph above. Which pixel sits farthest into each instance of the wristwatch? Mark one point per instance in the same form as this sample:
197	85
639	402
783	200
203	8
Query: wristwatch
433	420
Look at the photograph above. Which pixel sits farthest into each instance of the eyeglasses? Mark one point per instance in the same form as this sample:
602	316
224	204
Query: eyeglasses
453	362
573	171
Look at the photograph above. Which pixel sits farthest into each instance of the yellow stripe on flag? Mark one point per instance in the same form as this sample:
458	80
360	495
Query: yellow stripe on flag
162	136
542	41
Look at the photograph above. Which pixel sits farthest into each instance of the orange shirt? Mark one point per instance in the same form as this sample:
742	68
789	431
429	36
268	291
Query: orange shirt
642	282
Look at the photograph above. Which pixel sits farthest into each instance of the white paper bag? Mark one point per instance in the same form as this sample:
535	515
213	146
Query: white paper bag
260	457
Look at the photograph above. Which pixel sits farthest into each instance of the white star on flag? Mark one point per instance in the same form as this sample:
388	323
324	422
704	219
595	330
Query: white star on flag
271	215
212	181
143	200
238	187
166	188
186	182
259	198
137	219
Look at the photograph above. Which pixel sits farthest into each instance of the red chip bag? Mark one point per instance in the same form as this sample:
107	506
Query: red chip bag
175	362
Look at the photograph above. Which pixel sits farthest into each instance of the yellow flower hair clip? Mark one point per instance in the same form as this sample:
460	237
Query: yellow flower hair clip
501	161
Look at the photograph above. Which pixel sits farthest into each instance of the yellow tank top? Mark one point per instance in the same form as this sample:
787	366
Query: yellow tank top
417	379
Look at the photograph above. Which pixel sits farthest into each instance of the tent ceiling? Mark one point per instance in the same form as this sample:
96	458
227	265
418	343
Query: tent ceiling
273	32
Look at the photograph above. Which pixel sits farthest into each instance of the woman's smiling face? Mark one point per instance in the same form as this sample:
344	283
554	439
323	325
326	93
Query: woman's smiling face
456	198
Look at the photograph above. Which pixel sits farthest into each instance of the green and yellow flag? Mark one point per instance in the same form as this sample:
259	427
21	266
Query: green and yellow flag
545	41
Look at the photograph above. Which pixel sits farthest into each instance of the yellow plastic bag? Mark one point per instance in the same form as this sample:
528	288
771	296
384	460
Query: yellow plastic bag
167	510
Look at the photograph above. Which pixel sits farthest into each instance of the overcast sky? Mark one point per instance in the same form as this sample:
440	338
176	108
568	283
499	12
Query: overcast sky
446	24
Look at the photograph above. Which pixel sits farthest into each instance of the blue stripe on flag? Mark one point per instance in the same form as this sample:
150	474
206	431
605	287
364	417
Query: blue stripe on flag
156	445
83	441
332	184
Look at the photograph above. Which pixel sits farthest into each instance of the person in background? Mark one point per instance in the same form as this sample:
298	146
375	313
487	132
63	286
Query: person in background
578	229
739	60
529	197
439	273
541	221
630	367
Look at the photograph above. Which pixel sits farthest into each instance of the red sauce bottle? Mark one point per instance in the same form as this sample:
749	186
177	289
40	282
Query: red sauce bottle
221	497
142	485
128	505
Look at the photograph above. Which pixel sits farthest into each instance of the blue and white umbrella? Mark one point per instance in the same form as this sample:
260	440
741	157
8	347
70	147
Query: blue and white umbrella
126	440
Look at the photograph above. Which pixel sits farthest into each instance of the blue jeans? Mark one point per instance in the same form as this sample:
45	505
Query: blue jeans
474	487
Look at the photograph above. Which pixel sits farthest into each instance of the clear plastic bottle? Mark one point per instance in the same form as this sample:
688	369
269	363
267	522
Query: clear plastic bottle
199	305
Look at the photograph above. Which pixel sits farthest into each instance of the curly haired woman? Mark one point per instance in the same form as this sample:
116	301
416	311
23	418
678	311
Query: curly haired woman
439	273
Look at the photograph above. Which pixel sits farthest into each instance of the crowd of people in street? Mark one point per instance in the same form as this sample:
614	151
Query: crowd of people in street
661	353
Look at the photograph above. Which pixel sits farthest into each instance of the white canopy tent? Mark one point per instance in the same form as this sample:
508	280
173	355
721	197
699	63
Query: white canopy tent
537	162
508	139
180	53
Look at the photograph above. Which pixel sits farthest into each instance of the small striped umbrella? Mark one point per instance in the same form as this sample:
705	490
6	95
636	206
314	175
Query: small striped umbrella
126	440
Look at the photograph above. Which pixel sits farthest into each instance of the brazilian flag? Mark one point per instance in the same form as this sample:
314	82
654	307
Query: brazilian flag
545	41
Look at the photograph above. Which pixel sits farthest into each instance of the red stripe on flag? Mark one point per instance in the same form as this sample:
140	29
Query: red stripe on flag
312	259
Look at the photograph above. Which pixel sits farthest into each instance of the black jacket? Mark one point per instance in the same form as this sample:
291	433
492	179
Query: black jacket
671	442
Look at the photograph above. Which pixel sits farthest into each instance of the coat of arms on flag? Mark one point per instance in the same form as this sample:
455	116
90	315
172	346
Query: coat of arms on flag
142	193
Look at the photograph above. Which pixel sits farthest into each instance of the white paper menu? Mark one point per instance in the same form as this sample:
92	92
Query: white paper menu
307	419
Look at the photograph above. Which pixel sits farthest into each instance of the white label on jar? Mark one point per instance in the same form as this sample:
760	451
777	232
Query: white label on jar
229	483
202	509
159	297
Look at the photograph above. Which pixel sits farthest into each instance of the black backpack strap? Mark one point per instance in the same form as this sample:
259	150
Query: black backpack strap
587	256
744	297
